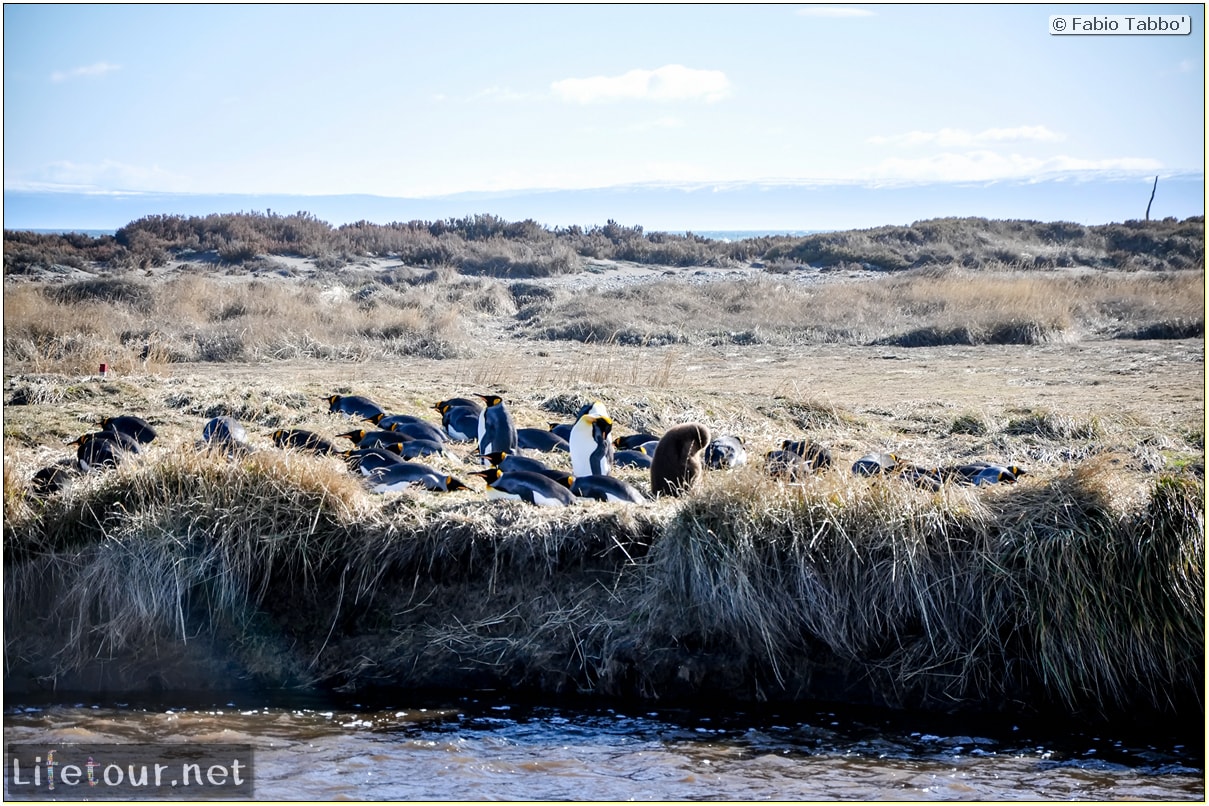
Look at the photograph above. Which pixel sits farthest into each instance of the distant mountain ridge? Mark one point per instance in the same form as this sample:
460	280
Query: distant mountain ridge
764	206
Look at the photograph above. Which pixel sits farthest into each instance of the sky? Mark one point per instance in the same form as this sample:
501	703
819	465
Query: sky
416	101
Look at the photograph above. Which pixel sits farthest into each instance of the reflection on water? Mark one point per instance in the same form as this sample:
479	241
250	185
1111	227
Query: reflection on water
484	748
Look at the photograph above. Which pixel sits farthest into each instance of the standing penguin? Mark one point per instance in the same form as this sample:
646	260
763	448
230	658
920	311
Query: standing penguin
591	447
497	431
675	467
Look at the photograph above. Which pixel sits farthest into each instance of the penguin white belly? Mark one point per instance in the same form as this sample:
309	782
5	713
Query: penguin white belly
391	486
494	493
543	501
582	446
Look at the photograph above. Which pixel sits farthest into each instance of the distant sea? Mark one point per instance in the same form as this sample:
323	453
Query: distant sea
721	210
92	233
716	235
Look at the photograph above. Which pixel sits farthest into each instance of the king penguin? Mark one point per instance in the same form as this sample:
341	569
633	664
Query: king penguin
405	474
354	405
461	423
591	446
675	467
606	488
103	449
136	427
522	485
725	452
225	434
873	464
497	431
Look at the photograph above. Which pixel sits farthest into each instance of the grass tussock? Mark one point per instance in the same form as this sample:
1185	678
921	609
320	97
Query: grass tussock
487	243
919	309
1080	589
1068	591
130	325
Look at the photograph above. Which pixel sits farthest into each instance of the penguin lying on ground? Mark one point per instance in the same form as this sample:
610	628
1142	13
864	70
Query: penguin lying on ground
873	464
387	421
461	423
539	439
978	473
788	465
302	440
402	475
632	442
522	485
354	405
103	449
606	488
816	455
224	434
136	428
636	458
54	477
510	462
724	452
368	439
675	467
420	430
368	460
453	402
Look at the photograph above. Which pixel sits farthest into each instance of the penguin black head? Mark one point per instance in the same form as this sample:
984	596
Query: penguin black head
440	406
1017	471
492	400
496	457
333	400
452	484
355	435
491	475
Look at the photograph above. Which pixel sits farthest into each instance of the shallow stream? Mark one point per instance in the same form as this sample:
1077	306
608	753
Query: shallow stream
488	747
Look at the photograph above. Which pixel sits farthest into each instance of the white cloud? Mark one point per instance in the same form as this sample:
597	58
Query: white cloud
665	122
109	174
672	82
89	71
957	138
976	166
834	12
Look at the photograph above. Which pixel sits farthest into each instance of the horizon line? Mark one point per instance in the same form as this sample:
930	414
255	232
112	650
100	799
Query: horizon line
686	185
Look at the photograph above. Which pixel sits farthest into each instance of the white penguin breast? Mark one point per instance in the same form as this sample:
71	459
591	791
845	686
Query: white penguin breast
582	446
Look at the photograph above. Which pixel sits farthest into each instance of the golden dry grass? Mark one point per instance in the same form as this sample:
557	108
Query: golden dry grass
358	316
914	309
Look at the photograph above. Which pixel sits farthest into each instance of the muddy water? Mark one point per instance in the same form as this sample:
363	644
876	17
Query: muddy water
478	748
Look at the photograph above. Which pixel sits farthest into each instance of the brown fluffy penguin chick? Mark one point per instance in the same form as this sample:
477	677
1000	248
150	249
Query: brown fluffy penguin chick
676	466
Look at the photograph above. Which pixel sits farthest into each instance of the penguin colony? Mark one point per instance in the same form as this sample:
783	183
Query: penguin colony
388	455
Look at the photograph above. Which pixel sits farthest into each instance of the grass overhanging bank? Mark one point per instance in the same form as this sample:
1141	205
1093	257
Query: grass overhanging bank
1083	591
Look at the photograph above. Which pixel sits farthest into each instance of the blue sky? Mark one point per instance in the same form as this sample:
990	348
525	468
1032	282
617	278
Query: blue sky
400	100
